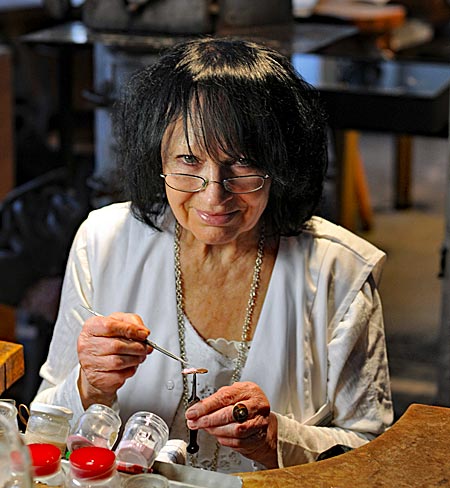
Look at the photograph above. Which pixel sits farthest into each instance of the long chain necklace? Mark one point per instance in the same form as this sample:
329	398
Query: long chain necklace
246	328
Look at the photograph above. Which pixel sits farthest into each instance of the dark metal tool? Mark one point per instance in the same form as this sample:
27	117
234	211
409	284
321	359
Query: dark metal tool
193	447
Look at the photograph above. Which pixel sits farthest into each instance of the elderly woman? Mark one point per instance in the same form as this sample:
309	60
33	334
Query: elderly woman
218	257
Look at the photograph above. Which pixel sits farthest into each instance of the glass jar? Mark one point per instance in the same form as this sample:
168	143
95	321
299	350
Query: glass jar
144	435
15	464
8	410
93	467
146	481
48	424
174	451
46	462
98	426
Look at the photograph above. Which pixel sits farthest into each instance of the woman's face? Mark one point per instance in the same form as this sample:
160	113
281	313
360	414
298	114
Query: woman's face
213	215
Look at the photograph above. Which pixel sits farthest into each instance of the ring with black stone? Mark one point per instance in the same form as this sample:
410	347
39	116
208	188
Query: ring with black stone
240	413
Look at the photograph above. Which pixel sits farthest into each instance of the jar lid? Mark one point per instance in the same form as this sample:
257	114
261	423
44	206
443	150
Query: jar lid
92	462
51	409
46	459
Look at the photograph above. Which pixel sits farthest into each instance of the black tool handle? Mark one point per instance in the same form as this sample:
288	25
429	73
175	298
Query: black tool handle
192	447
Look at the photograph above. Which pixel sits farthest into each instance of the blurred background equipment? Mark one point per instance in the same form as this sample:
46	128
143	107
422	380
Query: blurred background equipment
182	16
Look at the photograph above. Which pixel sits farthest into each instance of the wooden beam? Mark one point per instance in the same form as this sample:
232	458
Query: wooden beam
403	171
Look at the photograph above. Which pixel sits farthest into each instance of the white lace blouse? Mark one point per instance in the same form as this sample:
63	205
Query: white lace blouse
219	356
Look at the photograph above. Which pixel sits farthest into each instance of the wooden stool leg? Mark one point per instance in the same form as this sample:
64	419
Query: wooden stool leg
352	188
346	143
362	193
403	170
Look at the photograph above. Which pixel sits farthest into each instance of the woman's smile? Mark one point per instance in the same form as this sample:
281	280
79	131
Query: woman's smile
216	218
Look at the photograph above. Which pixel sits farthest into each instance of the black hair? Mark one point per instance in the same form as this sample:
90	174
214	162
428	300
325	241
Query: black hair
250	102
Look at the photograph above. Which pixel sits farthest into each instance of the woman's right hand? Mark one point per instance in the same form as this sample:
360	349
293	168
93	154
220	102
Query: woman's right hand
109	350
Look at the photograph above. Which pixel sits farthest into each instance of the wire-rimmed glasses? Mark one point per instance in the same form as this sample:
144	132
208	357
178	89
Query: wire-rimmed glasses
193	183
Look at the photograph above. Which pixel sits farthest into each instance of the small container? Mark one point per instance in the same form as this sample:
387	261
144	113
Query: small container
93	467
146	481
8	410
15	464
98	426
48	424
46	462
144	436
174	451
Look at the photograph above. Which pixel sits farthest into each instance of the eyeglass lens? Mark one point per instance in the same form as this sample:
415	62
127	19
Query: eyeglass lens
191	183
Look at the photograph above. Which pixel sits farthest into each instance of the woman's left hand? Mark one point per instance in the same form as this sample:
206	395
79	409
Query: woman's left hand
255	438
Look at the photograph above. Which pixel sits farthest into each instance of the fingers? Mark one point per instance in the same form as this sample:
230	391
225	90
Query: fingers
110	354
249	437
223	422
215	414
119	325
224	397
232	429
216	411
244	441
219	406
109	351
114	340
255	437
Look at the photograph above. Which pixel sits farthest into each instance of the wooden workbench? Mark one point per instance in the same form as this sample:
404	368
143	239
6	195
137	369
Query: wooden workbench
413	453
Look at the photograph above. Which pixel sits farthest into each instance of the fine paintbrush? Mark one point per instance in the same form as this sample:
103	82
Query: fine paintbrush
148	341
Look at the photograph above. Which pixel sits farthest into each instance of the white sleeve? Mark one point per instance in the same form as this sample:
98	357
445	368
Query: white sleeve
358	387
61	369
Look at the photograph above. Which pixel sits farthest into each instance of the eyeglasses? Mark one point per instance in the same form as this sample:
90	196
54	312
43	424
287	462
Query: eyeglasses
193	183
